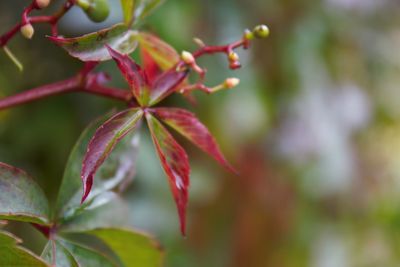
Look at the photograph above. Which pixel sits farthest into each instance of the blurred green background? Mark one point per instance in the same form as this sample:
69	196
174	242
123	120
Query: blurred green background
314	129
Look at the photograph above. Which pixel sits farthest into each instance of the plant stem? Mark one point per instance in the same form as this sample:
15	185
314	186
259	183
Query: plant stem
73	84
52	20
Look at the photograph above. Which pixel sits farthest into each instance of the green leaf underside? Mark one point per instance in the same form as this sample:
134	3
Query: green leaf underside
162	53
104	141
133	249
62	258
11	254
128	9
112	214
118	170
21	199
91	47
69	254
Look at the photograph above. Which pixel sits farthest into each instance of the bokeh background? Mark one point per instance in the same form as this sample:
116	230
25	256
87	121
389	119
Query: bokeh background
314	129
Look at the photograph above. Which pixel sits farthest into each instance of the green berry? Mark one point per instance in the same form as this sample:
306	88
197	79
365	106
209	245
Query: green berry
96	10
261	31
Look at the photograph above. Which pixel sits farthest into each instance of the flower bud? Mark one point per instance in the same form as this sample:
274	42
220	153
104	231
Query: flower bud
199	42
231	82
42	3
261	31
27	31
233	57
187	57
235	65
248	35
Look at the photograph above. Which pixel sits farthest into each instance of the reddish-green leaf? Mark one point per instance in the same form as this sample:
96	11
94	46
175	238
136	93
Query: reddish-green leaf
103	142
166	84
133	74
163	54
190	127
91	47
150	67
175	163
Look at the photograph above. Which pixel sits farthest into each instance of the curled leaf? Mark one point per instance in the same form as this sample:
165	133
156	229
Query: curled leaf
175	163
104	141
91	47
187	124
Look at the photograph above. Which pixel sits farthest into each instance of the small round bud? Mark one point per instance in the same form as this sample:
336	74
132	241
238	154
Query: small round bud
235	65
187	57
27	31
231	82
261	31
248	35
233	57
42	3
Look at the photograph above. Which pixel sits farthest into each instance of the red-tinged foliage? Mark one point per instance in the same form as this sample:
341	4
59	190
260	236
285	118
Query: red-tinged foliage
132	73
150	66
175	163
103	142
162	53
187	124
166	84
146	94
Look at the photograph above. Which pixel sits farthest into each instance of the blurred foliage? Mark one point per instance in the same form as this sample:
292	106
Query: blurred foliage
314	129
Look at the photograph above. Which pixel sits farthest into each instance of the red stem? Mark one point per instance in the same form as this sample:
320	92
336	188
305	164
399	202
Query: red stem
219	49
52	20
73	84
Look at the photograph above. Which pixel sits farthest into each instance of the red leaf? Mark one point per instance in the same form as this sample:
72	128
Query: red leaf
150	67
175	162
104	141
190	127
133	74
161	52
166	84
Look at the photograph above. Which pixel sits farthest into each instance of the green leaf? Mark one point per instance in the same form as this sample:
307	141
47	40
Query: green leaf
162	53
13	255
145	7
128	9
115	173
62	258
133	249
112	214
91	47
69	254
21	199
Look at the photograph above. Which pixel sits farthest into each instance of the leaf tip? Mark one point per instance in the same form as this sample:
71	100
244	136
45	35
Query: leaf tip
87	186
